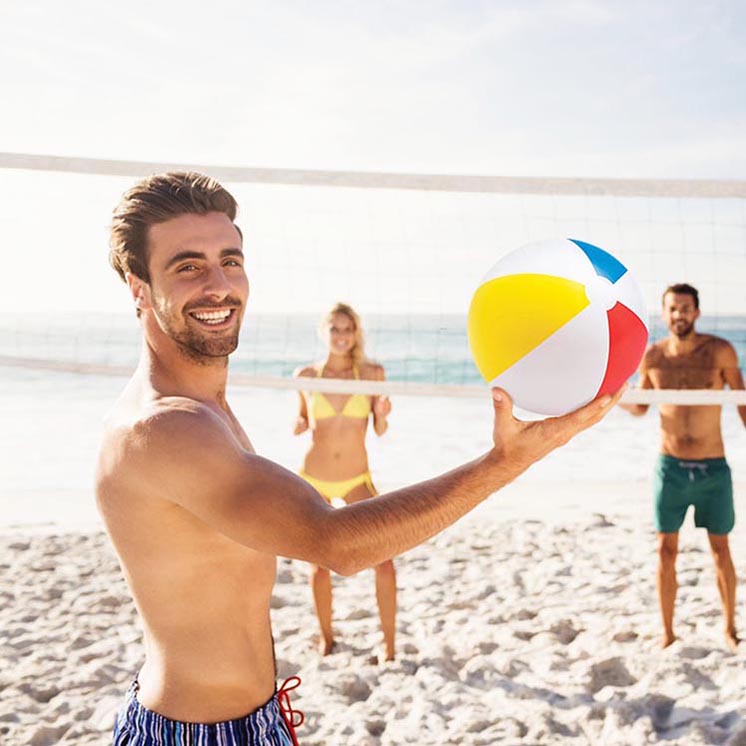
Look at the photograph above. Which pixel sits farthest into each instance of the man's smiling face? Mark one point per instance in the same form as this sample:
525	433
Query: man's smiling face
680	312
198	287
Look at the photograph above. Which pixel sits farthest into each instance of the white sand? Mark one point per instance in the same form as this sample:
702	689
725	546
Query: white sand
509	632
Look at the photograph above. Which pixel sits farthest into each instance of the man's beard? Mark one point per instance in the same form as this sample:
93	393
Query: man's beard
205	351
682	331
201	347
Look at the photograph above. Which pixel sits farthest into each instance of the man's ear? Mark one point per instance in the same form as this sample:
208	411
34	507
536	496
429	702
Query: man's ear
140	291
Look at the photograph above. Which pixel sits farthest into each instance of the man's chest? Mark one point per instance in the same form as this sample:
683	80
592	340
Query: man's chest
685	372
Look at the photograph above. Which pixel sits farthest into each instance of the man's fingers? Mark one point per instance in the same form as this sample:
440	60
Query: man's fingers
503	407
607	401
596	409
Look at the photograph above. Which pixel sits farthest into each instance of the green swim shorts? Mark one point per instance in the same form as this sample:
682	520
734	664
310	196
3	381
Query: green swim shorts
706	484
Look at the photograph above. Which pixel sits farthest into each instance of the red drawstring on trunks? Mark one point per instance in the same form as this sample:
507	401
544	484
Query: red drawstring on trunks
293	718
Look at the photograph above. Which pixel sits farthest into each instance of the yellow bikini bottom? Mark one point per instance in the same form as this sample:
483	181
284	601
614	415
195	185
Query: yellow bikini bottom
330	490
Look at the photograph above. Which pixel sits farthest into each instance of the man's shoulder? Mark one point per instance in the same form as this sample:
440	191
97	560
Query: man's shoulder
655	351
174	412
143	450
715	351
178	422
723	351
165	424
718	342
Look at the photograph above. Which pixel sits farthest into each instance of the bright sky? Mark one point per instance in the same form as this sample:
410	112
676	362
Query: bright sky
584	87
546	88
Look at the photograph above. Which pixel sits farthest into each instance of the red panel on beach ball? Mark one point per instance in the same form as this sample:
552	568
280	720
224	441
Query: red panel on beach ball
628	337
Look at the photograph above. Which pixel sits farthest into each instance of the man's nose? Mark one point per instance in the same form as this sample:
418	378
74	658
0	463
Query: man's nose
217	284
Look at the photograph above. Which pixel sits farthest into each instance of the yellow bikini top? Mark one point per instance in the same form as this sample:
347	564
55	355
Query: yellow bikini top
357	406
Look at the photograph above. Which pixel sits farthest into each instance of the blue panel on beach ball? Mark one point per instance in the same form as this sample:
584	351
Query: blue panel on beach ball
605	264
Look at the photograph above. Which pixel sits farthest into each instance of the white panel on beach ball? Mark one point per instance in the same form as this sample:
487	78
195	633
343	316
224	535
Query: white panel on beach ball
557	323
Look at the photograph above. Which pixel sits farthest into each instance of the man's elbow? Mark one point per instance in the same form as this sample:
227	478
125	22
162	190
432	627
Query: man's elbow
343	565
342	559
344	562
637	410
346	548
347	569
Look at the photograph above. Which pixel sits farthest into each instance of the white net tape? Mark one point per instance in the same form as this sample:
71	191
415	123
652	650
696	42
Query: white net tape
388	388
675	188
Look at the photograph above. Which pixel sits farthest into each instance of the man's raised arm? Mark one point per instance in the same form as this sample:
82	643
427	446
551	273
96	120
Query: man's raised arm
191	457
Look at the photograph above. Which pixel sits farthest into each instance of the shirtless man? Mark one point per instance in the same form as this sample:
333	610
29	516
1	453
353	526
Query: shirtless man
197	518
691	469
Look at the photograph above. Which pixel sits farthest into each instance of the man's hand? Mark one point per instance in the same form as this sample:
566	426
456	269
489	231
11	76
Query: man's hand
523	443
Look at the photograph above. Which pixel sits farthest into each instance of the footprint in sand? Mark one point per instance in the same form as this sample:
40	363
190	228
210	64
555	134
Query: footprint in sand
354	688
601	521
48	735
660	707
694	653
564	631
38	691
524	615
357	614
610	672
627	636
276	601
375	727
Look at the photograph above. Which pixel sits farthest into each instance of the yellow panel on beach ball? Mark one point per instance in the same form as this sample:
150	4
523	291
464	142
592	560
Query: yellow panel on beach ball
511	315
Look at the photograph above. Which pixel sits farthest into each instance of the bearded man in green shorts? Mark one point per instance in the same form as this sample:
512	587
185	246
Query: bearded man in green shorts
691	469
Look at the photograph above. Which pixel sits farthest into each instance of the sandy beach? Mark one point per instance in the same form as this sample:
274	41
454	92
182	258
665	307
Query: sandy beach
532	621
512	183
509	632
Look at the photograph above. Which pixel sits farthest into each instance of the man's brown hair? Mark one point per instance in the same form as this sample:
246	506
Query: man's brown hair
155	200
682	288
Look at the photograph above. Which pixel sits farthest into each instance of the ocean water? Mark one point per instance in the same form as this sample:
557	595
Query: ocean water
416	349
52	421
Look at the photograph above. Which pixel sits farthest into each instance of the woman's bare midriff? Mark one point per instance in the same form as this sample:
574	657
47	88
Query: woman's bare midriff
337	449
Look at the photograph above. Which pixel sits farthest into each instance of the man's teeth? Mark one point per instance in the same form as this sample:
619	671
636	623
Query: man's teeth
212	317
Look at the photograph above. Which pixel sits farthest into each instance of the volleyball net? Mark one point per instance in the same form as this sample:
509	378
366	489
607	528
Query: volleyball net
406	251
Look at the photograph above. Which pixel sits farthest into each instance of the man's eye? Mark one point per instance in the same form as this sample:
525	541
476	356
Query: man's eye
233	263
187	268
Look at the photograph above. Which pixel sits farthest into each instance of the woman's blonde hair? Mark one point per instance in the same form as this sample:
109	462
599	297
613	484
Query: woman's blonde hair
358	349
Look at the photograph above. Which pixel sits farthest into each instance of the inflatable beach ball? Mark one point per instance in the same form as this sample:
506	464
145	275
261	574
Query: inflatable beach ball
557	323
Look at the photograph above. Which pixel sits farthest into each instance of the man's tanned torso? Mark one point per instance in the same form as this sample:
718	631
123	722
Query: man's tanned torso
689	432
203	598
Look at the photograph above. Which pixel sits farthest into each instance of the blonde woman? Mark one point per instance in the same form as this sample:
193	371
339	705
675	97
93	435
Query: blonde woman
336	463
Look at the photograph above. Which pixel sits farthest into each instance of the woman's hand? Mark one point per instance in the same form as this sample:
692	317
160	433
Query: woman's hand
381	410
381	407
301	425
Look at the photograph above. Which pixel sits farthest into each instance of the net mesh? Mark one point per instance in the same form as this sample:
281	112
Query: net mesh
407	251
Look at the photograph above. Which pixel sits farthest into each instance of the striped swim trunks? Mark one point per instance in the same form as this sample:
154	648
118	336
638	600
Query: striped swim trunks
265	726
